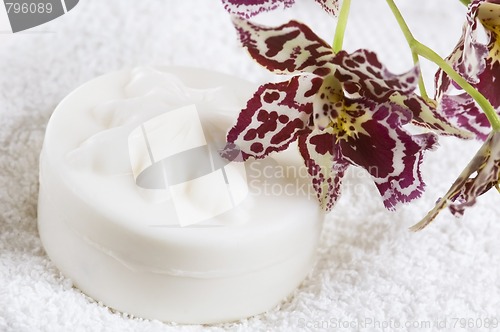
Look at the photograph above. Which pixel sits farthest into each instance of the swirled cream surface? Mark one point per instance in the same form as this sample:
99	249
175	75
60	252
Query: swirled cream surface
139	210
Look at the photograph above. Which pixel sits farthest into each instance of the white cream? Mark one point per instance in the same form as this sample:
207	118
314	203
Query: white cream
124	245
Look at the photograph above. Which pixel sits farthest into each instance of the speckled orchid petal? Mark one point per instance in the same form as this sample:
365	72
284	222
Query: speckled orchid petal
489	16
274	116
488	13
479	64
330	6
488	176
468	56
376	141
429	115
463	111
467	114
321	157
466	188
249	8
288	49
362	74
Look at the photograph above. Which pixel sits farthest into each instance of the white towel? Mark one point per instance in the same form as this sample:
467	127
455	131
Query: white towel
371	274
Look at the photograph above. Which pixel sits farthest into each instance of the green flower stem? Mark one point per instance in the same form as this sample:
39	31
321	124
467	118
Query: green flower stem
410	39
465	2
338	39
418	48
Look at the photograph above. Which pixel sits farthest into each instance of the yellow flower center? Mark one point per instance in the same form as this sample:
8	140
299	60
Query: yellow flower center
336	114
348	123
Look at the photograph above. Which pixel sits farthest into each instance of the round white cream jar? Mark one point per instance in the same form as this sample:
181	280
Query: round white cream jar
130	247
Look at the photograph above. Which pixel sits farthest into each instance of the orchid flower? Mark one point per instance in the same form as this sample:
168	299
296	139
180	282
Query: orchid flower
465	190
249	8
479	64
343	109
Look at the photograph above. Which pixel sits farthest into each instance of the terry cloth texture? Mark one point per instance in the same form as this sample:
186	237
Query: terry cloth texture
371	274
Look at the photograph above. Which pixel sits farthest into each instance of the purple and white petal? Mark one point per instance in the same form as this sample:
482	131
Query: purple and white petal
472	60
489	16
428	115
405	183
288	49
488	13
249	8
330	6
483	74
488	175
466	188
463	110
471	55
468	56
488	81
273	117
389	153
364	75
320	153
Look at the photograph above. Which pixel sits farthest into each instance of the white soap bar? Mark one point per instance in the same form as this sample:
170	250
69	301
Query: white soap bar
198	243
